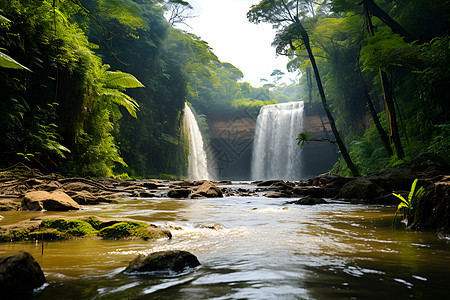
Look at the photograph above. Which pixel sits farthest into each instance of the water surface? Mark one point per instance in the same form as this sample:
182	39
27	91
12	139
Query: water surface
259	248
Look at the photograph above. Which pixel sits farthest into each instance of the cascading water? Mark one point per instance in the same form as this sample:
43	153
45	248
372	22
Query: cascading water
198	165
276	154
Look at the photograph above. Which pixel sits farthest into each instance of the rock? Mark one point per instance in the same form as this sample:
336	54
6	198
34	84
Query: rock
163	261
361	188
9	204
20	274
277	195
307	201
432	211
80	186
145	194
425	160
270	182
153	185
83	197
393	178
225	182
131	229
51	201
208	190
179	193
281	186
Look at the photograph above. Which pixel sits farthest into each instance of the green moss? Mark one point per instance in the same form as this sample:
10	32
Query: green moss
94	222
122	230
75	228
60	229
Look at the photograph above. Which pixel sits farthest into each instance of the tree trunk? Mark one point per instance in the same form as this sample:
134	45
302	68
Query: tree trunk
383	135
387	94
386	19
309	82
339	141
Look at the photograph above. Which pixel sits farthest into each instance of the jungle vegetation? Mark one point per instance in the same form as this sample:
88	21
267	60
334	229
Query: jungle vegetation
379	68
97	88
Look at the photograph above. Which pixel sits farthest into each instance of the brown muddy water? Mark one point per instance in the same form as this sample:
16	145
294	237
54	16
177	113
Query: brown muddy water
260	248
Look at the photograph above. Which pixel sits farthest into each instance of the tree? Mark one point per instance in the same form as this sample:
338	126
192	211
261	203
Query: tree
291	36
387	92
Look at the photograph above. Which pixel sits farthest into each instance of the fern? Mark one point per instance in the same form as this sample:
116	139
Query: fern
406	206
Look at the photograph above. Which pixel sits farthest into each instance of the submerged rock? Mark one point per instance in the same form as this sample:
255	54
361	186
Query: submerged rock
307	201
20	275
51	201
163	261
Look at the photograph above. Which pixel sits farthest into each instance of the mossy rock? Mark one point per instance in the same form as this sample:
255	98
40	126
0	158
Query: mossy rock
94	222
49	234
61	229
76	228
130	229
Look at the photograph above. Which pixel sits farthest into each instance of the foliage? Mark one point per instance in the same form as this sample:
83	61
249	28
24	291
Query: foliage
302	138
406	206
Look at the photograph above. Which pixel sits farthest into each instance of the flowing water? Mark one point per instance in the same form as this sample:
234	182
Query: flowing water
276	154
260	248
198	165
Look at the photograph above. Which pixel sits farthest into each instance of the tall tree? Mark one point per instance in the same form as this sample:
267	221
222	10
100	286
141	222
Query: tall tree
387	92
285	15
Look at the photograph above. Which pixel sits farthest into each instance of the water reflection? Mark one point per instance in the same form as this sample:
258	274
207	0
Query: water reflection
250	248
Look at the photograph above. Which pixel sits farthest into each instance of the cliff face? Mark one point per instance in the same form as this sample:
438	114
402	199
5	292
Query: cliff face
231	144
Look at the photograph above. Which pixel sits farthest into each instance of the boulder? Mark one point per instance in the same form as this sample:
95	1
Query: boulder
51	201
361	188
163	261
20	275
179	192
393	178
308	200
207	190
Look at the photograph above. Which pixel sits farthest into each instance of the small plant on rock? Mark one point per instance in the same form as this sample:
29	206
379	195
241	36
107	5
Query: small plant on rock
406	206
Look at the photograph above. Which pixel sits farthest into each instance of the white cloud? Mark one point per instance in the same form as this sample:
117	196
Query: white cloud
224	25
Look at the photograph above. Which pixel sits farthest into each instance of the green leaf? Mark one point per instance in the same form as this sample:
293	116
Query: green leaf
413	188
118	79
8	62
3	20
122	99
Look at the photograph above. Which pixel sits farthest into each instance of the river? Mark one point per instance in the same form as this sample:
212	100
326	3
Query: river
250	248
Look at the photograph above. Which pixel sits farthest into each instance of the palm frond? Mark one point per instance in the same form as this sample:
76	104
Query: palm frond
122	99
120	80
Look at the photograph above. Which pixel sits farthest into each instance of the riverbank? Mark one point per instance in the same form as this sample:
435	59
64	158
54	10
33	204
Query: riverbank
23	189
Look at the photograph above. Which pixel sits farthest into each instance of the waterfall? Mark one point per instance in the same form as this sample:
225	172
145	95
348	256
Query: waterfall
276	154
198	166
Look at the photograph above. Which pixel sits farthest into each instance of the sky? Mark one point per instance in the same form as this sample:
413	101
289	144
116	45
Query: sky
224	25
